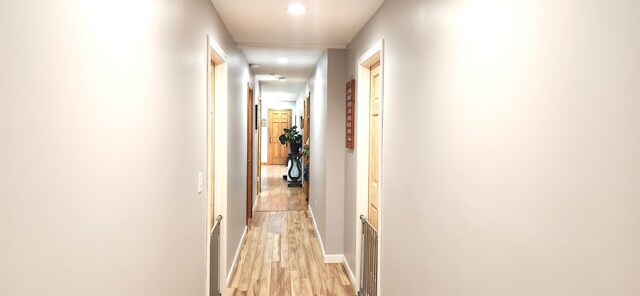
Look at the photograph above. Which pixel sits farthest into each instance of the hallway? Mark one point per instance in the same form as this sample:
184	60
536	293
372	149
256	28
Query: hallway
276	196
281	254
453	148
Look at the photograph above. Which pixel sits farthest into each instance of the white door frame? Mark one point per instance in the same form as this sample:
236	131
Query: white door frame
215	52
362	151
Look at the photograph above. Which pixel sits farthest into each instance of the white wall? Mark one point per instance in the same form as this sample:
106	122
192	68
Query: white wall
510	150
336	147
317	143
327	153
237	152
103	133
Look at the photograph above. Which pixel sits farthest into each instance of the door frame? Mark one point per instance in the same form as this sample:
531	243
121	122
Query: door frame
306	123
370	57
216	189
269	130
259	153
250	155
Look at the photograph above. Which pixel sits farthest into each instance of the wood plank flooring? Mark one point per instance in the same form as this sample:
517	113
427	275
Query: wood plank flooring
281	254
276	196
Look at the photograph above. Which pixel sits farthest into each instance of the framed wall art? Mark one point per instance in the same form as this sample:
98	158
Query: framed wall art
351	114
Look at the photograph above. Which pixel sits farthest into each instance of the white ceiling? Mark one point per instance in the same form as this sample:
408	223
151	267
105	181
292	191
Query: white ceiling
265	31
266	23
300	62
281	90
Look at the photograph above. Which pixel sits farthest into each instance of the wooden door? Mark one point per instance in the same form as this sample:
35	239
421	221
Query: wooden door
250	126
212	135
278	120
259	154
307	136
374	144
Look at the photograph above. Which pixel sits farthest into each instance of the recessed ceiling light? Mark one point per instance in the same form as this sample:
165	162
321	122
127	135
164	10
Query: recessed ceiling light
296	9
283	60
254	66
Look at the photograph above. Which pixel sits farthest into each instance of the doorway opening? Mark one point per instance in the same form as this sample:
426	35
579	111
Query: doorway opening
369	179
216	188
258	123
250	127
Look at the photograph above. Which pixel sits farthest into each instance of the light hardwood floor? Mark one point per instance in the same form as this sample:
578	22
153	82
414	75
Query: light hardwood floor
281	254
276	196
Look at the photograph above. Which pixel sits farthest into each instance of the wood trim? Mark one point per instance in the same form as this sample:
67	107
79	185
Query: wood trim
307	136
374	144
350	113
211	195
259	154
250	127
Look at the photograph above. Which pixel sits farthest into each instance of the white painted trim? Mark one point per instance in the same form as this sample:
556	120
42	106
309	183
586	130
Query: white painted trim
217	49
333	258
376	48
235	258
220	146
352	277
315	227
327	258
381	166
362	149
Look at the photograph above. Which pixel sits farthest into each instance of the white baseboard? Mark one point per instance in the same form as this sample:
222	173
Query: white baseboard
235	258
333	258
352	277
328	258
